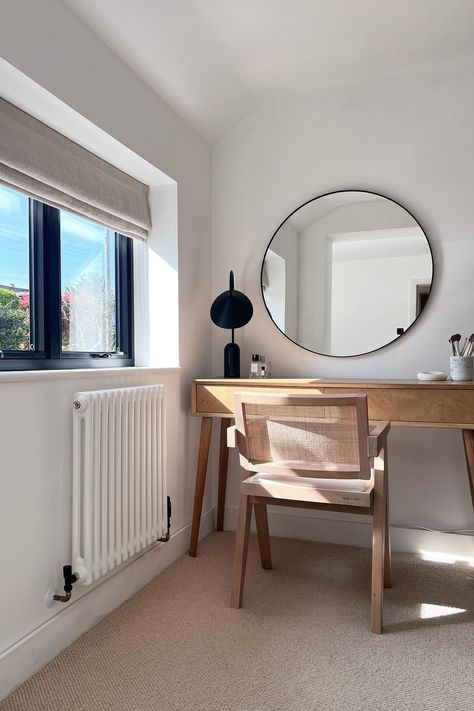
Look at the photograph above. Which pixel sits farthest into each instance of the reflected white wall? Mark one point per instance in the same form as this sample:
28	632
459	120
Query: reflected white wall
286	245
275	288
370	300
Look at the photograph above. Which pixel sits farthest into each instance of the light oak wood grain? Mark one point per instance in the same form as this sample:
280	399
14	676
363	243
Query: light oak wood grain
468	439
405	403
223	465
261	523
378	548
201	471
241	549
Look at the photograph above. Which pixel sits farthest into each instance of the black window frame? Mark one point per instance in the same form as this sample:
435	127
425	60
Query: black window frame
45	302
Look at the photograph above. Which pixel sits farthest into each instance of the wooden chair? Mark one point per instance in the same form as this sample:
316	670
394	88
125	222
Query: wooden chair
311	451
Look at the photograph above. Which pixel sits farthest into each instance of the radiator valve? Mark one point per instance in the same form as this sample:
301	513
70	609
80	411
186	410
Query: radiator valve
69	579
166	538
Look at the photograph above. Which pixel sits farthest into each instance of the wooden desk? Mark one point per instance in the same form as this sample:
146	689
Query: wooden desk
406	403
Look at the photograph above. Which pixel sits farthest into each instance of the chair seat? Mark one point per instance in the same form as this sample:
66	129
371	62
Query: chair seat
348	492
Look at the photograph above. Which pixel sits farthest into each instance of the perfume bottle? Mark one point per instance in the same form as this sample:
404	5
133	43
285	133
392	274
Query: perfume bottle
254	366
259	368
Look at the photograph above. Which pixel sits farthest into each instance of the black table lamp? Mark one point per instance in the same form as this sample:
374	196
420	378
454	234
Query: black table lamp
231	309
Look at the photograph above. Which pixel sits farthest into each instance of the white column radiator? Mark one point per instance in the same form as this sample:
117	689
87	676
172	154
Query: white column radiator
119	485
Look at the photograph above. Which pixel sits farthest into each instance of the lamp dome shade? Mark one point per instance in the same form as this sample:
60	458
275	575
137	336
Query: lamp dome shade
231	309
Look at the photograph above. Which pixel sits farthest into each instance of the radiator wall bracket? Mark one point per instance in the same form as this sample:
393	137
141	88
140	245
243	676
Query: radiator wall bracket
165	539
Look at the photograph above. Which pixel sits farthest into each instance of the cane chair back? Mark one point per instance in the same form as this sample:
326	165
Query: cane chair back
304	433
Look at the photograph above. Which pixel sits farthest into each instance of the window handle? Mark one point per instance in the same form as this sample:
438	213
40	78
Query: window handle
108	354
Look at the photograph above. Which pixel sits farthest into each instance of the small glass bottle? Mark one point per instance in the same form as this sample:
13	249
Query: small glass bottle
254	366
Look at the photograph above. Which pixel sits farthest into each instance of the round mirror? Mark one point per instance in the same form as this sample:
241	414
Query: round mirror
347	273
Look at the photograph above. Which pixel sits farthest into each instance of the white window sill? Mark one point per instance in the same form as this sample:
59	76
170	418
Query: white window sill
20	376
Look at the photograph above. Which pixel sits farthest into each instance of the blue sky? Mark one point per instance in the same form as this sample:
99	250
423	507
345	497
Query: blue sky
83	243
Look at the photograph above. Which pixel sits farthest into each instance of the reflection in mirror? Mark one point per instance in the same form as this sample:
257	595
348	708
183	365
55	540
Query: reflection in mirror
347	273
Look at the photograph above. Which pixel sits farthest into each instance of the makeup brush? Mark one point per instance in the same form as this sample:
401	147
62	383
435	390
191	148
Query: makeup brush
454	341
469	346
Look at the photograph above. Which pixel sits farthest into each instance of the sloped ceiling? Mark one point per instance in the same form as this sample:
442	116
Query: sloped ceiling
214	61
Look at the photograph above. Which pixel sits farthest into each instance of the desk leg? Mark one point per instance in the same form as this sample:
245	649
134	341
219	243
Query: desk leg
468	439
223	464
387	565
201	471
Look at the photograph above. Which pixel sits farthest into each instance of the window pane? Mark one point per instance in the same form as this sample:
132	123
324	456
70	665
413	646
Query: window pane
88	289
14	271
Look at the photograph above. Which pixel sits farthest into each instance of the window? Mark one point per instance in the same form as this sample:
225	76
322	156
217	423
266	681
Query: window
65	289
14	271
88	293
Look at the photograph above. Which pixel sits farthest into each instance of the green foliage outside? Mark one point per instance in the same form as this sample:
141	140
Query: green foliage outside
14	321
87	317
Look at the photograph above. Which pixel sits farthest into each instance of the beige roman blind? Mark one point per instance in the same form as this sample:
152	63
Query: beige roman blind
39	161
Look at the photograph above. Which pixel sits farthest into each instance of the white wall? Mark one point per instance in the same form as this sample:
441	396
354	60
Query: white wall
46	42
412	140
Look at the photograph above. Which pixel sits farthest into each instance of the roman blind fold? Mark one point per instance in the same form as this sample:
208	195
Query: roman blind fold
44	164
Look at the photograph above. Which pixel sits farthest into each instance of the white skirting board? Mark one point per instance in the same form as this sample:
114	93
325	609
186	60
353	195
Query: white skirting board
27	656
357	531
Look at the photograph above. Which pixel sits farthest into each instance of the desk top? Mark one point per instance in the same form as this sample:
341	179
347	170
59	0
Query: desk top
406	403
377	383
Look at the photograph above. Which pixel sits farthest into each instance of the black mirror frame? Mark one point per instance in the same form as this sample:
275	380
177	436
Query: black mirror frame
336	192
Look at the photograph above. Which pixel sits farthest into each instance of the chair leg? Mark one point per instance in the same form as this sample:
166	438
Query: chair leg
261	521
241	549
387	565
378	546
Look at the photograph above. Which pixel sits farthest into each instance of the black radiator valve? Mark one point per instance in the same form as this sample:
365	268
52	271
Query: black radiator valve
69	579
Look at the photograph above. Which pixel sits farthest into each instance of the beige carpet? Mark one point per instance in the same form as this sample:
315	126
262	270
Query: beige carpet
301	643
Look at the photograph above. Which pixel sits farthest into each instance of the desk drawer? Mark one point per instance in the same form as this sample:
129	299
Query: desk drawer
218	400
434	408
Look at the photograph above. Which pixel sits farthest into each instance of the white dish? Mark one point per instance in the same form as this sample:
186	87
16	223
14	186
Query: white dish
431	375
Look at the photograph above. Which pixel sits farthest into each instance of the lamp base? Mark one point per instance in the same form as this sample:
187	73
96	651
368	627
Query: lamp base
232	361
